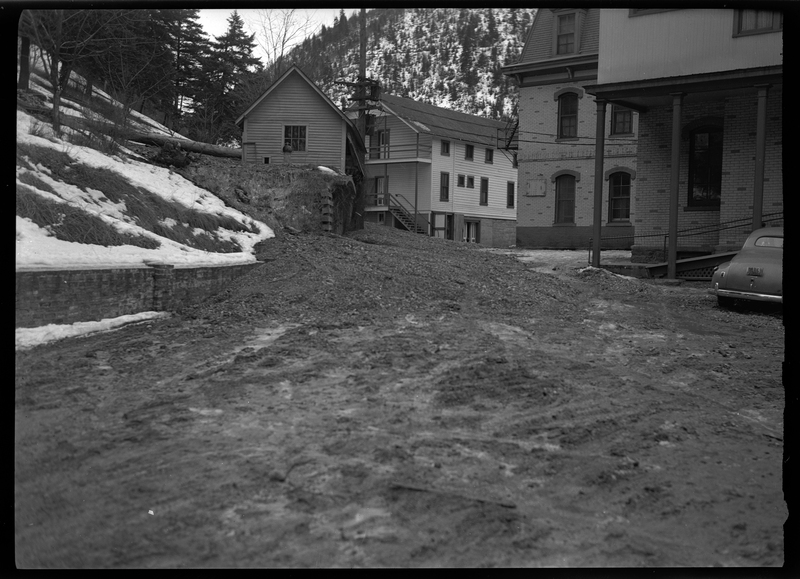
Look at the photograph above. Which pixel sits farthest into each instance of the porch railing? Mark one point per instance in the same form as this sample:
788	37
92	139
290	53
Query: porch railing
395	152
745	223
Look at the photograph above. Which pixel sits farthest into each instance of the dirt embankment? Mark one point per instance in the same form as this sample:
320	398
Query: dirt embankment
387	399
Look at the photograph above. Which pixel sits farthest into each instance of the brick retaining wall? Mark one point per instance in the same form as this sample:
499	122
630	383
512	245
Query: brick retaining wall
68	296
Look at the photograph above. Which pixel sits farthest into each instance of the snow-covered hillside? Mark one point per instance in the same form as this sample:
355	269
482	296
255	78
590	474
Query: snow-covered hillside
37	247
448	57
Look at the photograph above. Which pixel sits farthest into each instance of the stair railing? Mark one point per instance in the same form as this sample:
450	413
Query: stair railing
397	203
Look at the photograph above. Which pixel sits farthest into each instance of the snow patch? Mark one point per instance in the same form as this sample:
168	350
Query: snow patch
25	338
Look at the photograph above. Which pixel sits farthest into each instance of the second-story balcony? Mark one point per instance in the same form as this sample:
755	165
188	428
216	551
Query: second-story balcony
403	153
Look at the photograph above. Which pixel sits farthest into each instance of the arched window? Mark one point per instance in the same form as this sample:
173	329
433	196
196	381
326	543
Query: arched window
565	199
619	196
705	166
568	115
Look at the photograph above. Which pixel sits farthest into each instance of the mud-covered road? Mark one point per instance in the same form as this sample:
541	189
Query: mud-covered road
390	400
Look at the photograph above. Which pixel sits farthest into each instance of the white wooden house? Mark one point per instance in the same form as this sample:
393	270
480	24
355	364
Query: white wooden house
293	121
442	169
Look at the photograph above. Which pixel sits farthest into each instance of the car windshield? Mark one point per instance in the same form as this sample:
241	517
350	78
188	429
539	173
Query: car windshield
769	242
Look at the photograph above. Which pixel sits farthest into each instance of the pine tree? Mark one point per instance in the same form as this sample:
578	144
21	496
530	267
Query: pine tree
491	28
218	103
189	44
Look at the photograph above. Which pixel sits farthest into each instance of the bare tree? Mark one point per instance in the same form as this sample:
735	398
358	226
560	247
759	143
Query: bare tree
277	31
65	37
24	63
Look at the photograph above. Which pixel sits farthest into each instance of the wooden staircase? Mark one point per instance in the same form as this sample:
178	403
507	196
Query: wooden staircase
404	217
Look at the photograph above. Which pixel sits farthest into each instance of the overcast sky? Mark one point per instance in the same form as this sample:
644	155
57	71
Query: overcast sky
215	22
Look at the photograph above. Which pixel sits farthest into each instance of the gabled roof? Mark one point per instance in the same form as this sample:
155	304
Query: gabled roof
294	69
433	120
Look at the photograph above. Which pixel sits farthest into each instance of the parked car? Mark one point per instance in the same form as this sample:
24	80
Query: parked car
755	273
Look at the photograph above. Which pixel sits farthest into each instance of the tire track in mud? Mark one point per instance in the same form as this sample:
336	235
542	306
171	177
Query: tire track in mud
456	433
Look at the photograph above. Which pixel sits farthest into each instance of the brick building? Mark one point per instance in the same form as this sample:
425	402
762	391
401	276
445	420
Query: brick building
707	85
556	138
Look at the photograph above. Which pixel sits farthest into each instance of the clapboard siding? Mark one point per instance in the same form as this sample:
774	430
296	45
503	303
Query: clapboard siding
402	140
678	43
467	200
295	102
403	178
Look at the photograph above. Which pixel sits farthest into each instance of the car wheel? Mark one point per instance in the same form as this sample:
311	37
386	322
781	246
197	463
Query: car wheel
724	302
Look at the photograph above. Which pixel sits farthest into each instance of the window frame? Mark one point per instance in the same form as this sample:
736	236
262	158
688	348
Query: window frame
561	181
378	149
383	180
620	110
580	15
266	160
612	197
483	196
445	150
291	138
573	34
444	187
488	156
561	115
469	152
511	187
476	223
470	182
738	14
691	201
460	180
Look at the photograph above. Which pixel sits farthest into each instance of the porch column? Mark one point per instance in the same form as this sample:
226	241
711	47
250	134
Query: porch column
675	174
416	184
599	149
761	147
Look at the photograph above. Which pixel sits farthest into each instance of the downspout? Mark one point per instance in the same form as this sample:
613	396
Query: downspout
416	184
761	147
598	180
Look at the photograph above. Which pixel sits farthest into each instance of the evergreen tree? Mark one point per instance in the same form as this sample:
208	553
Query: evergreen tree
189	45
218	102
491	28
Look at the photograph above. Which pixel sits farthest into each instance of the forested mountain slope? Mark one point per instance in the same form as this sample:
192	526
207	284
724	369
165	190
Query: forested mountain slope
449	57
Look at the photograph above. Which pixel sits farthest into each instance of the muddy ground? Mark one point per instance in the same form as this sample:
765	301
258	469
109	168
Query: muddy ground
386	399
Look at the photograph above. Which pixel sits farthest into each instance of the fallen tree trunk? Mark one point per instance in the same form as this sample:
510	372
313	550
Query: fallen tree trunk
154	139
186	145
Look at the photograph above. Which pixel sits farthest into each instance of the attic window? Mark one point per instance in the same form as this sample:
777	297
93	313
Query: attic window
565	34
567	25
295	137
